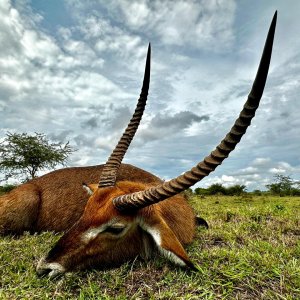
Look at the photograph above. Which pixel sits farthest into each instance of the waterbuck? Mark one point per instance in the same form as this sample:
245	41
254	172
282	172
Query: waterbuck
128	218
124	219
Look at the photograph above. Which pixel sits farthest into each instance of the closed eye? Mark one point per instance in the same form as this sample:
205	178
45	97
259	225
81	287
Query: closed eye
114	229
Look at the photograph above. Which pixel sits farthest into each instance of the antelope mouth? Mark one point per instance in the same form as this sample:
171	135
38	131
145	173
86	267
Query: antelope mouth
52	270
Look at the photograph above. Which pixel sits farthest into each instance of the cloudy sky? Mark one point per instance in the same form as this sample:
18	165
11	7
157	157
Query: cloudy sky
73	70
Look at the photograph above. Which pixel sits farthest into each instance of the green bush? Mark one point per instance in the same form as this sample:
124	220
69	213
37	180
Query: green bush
6	188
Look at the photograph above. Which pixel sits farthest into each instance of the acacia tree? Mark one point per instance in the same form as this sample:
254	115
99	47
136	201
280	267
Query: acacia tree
283	186
23	155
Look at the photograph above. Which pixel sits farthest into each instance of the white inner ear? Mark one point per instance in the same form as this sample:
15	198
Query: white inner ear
156	235
87	189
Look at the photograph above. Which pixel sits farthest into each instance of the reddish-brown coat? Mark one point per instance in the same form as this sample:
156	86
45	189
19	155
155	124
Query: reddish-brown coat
173	219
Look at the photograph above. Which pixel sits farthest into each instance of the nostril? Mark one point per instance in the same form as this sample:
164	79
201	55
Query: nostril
52	269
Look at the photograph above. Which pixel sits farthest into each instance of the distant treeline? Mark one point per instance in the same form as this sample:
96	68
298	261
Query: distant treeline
281	186
237	190
219	189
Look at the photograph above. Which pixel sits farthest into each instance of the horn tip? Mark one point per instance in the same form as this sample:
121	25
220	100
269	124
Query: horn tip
149	48
273	25
274	17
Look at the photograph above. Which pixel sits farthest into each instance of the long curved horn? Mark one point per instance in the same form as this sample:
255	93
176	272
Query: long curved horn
109	173
153	195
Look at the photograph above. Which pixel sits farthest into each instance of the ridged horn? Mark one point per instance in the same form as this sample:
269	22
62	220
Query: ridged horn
170	188
109	173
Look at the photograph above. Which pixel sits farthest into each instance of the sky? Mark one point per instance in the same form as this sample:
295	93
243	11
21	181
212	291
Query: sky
73	70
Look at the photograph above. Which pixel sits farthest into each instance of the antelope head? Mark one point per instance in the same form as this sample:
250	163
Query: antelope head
125	219
105	236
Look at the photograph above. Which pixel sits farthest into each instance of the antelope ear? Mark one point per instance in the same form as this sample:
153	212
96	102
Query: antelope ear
90	188
166	241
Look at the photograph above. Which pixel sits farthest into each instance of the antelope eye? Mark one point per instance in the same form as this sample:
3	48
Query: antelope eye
115	229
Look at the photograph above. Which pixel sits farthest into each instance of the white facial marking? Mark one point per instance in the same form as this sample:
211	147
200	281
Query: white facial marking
56	268
92	233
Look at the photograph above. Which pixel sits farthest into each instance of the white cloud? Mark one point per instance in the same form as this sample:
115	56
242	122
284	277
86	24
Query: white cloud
248	171
283	168
203	24
261	161
107	38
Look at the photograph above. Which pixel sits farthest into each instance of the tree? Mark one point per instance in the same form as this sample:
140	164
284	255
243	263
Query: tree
282	186
257	192
236	190
23	155
216	188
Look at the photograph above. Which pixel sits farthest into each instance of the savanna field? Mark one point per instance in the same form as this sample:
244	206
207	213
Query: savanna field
250	251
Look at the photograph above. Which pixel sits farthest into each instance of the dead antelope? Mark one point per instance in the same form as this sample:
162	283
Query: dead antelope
124	219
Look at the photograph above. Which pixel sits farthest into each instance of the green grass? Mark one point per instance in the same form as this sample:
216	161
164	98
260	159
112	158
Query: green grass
251	251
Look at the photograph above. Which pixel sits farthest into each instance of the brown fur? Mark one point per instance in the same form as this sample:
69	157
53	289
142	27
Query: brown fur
173	219
56	200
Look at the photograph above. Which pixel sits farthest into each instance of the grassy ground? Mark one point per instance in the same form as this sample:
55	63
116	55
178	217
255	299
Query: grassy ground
251	251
